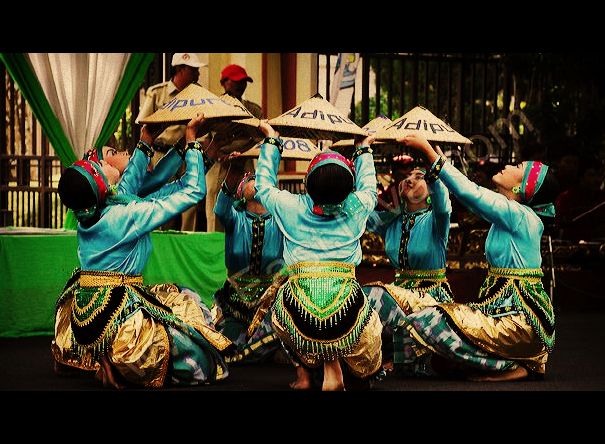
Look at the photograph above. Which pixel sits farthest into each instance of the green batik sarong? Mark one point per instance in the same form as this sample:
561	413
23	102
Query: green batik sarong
412	359
193	360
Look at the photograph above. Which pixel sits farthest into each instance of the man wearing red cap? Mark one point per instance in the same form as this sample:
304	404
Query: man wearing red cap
234	80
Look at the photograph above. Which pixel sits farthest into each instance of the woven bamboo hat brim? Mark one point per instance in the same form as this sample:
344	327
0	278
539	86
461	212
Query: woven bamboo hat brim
294	149
235	102
192	100
421	120
238	128
316	119
371	127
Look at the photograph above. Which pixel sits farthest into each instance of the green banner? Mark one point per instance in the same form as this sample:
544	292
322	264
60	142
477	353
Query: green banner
36	267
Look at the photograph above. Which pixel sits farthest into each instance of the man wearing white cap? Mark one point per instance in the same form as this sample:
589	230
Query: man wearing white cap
183	72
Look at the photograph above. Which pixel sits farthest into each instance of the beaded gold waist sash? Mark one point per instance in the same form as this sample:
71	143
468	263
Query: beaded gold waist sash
249	287
500	283
322	289
433	282
90	278
321	269
516	273
323	307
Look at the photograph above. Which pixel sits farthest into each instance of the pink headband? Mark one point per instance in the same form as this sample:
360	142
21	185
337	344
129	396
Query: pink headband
239	193
331	157
534	175
93	173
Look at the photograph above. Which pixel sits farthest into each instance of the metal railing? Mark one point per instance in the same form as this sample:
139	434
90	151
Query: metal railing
471	92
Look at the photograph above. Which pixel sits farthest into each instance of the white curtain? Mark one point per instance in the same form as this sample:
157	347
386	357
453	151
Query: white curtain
80	88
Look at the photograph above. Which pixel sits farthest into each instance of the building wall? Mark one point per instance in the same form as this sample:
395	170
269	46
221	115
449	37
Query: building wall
267	89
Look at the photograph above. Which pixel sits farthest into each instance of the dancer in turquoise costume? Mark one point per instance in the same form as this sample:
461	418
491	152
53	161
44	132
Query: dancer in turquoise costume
106	318
321	314
253	255
509	332
415	239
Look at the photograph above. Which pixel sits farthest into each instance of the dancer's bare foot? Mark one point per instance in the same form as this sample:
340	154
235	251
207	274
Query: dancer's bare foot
333	379
508	375
303	379
106	376
388	366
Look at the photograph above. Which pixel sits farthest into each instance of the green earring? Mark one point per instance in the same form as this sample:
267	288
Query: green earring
428	200
516	189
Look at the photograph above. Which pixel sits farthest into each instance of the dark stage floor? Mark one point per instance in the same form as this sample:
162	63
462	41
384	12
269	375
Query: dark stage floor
578	364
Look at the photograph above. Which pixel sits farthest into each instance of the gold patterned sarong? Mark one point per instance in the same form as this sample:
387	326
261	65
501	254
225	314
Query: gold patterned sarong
512	319
114	314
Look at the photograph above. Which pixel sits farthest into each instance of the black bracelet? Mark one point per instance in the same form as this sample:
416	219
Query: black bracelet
277	141
226	190
146	148
180	149
359	151
208	162
432	175
195	145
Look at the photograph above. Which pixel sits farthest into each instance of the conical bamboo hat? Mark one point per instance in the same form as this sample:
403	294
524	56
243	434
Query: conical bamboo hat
371	127
239	128
192	100
421	120
294	149
315	119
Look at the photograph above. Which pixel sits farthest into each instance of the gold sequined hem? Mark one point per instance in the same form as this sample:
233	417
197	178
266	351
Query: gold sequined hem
163	371
523	346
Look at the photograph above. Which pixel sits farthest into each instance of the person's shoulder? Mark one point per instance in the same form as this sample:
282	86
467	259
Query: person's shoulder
157	87
254	108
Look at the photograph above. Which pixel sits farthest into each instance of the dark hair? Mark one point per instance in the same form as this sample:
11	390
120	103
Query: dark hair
75	191
548	191
329	184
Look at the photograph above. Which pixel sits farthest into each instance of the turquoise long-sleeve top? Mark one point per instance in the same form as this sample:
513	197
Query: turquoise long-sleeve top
514	238
307	236
245	233
163	171
120	241
426	231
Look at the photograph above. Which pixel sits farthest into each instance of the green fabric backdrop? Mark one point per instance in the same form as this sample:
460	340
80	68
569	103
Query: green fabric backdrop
21	71
34	269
